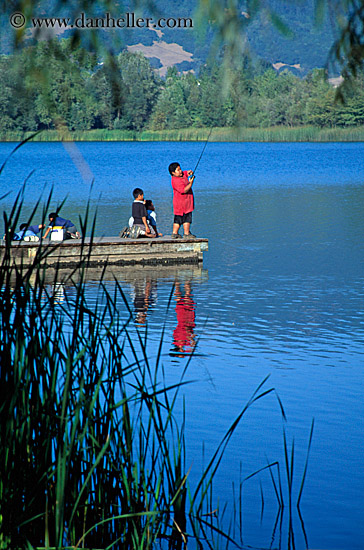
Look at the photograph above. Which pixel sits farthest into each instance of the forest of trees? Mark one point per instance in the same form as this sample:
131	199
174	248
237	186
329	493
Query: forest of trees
81	92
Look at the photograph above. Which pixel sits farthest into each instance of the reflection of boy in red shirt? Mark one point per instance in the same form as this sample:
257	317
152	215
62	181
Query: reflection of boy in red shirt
184	338
183	203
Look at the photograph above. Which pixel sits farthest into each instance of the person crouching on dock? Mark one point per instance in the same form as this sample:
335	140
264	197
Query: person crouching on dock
68	226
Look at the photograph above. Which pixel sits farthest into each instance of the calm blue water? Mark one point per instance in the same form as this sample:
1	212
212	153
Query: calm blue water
280	293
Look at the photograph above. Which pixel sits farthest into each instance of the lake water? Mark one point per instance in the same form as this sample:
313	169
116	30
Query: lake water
280	293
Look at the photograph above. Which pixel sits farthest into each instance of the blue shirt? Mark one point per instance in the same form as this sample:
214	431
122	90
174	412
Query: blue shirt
61	222
28	232
152	218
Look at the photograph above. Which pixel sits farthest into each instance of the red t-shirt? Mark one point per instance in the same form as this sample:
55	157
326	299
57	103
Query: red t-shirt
182	202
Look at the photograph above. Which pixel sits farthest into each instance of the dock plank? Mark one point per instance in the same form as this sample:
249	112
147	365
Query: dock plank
108	250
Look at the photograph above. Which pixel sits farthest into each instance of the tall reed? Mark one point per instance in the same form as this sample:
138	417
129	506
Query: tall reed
228	134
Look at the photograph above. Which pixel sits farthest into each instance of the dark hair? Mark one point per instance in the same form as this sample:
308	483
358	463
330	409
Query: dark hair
52	215
137	191
23	226
172	167
148	204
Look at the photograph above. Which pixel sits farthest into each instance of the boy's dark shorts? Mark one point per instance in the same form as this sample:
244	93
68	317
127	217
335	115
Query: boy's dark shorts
185	218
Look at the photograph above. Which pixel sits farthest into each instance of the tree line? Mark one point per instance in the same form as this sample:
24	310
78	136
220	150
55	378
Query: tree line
82	92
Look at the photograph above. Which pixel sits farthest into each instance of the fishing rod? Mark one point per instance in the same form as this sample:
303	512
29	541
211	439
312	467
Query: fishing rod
203	150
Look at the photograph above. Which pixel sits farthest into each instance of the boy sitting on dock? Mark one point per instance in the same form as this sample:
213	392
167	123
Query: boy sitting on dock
139	214
152	217
151	220
68	226
183	201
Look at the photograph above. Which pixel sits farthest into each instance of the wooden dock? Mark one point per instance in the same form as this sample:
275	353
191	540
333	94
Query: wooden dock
107	251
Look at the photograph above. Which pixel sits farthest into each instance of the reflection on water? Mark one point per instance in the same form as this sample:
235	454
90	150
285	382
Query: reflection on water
57	292
54	290
145	296
184	337
148	290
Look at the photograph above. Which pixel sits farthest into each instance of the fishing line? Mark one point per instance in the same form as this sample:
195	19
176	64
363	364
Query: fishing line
203	150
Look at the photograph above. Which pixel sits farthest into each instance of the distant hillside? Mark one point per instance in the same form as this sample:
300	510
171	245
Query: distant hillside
310	44
306	48
188	49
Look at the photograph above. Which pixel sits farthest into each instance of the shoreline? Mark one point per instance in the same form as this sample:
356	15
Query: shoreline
264	135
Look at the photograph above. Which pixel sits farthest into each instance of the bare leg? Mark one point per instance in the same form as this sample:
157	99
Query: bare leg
186	228
176	227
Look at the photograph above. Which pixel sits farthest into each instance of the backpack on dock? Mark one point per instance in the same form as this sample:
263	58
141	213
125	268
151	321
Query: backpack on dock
130	232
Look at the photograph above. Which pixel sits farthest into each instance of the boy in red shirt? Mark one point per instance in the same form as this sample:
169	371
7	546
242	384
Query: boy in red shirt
183	203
